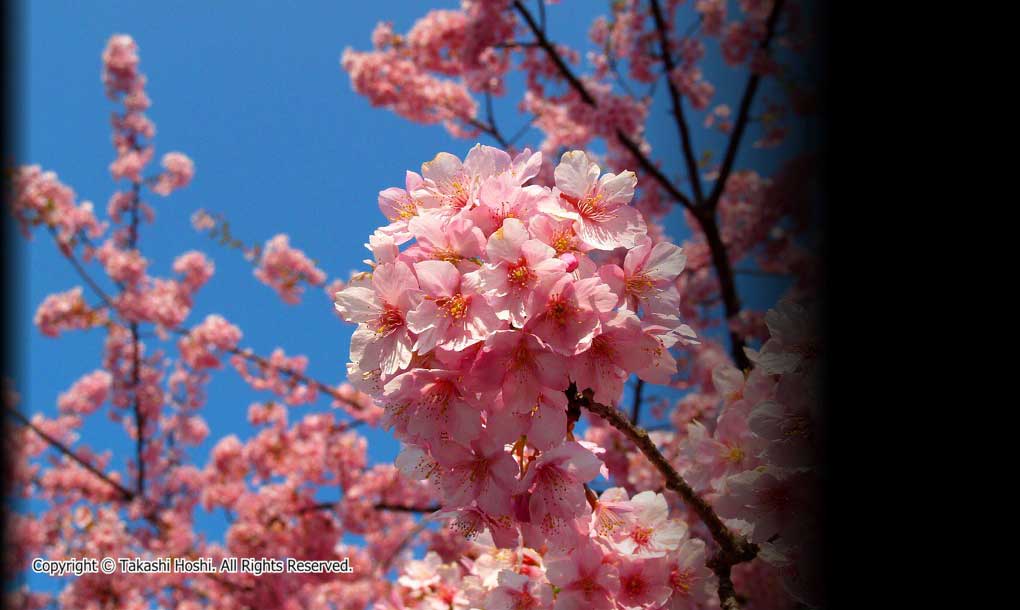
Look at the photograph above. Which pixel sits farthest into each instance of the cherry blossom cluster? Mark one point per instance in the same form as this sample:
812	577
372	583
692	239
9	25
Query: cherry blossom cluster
635	557
486	302
283	268
757	463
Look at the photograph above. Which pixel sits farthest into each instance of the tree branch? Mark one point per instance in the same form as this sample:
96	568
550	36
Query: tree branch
733	548
727	282
743	113
136	356
704	214
690	158
127	494
581	90
407	509
489	129
727	593
69	255
635	409
251	356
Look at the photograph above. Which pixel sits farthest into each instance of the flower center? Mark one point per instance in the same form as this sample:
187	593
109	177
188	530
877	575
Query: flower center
458	195
455	307
639	285
505	211
390	320
521	358
448	255
602	346
558	309
408	209
518	274
563	241
593	207
525	601
642	535
634	586
798	426
681	581
588	585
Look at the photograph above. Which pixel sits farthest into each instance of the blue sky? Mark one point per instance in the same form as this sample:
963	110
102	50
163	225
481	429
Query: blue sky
255	95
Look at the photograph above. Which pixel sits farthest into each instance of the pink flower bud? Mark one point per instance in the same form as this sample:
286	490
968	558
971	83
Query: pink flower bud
570	260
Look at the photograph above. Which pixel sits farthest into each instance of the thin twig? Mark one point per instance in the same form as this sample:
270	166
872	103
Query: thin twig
635	409
125	492
523	129
136	365
743	113
690	158
69	255
586	96
733	549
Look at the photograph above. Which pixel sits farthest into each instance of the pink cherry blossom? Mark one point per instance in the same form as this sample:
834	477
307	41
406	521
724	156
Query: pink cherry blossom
520	365
483	472
283	268
643	583
381	312
452	313
518	592
648	270
519	264
585	580
178	171
693	583
597	204
555	482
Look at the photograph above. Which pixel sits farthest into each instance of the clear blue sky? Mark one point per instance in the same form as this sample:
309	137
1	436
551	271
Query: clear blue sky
255	95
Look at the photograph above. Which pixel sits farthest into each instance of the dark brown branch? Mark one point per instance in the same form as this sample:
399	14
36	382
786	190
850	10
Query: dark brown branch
635	409
690	158
515	44
523	129
422	524
139	419
581	90
251	356
489	129
727	593
299	377
743	113
69	255
397	508
125	492
322	387
136	355
705	214
407	509
733	548
490	116
727	282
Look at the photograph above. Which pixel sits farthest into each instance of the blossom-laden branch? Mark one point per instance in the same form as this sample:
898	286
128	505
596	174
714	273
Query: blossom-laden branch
126	493
575	83
345	397
702	210
734	549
